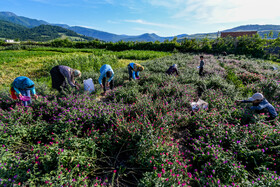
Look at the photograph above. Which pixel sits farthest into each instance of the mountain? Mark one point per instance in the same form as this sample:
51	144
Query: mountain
101	35
20	20
10	30
254	28
105	36
263	30
145	37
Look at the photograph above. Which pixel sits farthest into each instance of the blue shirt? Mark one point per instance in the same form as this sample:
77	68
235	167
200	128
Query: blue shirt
21	83
133	67
103	71
264	104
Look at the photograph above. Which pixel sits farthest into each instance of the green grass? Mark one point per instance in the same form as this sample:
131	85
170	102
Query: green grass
37	62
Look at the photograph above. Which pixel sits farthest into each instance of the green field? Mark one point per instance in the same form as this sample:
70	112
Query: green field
36	62
144	132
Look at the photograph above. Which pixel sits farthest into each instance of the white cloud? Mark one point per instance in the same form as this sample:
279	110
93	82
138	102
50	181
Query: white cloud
222	11
142	22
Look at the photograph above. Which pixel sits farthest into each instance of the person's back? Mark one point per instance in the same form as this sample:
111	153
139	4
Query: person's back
265	105
60	72
106	72
260	105
172	69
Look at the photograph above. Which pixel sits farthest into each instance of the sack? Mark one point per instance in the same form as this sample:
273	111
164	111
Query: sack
200	104
88	85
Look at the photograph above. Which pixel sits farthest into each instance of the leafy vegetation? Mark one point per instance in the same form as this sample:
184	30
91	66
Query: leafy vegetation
144	132
37	62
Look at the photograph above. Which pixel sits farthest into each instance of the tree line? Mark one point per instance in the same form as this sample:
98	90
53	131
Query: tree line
243	45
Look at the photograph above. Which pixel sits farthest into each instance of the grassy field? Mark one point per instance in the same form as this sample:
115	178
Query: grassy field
36	62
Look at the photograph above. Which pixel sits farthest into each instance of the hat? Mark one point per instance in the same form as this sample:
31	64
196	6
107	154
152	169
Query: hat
175	65
256	96
77	73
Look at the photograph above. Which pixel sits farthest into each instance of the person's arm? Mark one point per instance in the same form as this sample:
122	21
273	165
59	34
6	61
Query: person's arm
33	91
259	107
133	74
111	77
67	73
177	72
243	101
17	90
101	77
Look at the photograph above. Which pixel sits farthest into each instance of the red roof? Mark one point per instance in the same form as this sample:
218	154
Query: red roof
236	34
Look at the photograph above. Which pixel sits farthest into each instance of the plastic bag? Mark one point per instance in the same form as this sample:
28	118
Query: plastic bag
25	98
88	85
200	104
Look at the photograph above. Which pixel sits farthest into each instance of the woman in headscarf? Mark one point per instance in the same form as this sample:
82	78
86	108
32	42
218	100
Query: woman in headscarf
172	69
23	86
59	73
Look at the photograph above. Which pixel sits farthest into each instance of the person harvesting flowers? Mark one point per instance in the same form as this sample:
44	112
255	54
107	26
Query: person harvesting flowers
261	105
172	70
106	72
23	86
59	73
133	70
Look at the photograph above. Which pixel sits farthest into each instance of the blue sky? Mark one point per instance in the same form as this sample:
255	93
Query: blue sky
162	17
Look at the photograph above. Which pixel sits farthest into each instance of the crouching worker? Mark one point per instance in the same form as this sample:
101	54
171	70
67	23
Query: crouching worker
133	70
23	86
59	73
106	72
172	70
261	105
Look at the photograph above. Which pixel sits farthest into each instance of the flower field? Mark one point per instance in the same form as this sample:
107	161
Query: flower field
144	132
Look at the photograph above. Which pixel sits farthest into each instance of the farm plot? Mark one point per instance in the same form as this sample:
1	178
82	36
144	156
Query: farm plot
145	133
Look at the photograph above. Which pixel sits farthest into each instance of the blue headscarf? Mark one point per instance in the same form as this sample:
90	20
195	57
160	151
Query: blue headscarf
22	83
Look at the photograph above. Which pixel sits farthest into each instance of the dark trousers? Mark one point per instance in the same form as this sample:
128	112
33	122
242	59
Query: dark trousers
104	84
58	79
129	72
200	71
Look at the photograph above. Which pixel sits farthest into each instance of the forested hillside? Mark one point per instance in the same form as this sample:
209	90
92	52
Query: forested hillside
10	30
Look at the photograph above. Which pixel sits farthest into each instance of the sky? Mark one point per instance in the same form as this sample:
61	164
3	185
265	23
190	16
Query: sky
162	17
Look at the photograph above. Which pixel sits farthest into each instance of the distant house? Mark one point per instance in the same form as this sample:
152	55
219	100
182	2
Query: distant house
236	34
11	41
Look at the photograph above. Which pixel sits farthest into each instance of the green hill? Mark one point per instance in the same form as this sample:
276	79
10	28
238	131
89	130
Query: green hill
41	33
20	20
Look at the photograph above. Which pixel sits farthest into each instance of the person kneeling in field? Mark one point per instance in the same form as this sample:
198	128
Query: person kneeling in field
133	70
172	70
261	105
23	86
106	72
59	73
